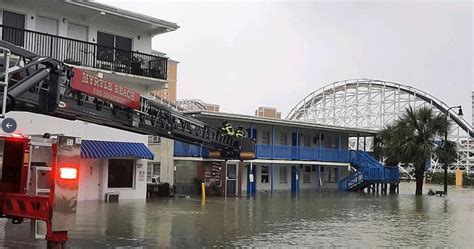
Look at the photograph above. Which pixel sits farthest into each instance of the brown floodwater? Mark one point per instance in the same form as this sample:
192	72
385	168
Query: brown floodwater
310	219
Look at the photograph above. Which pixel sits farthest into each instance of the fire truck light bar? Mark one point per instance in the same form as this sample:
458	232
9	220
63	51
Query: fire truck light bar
67	173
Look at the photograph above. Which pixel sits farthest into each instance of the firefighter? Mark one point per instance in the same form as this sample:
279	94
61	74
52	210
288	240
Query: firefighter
240	132
228	129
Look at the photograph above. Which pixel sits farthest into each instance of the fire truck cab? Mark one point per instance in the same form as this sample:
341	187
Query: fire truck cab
39	181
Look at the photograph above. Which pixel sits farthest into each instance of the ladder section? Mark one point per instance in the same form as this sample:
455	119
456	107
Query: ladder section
6	57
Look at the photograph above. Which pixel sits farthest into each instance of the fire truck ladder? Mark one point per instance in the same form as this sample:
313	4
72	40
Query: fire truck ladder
41	84
6	55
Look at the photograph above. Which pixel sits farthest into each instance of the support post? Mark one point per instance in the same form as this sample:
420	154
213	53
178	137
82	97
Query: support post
365	141
357	145
319	177
273	177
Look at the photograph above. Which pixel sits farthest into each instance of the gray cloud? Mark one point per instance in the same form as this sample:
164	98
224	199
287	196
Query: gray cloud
242	55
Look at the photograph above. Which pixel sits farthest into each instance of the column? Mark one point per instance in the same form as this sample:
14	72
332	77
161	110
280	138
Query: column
365	143
273	177
319	177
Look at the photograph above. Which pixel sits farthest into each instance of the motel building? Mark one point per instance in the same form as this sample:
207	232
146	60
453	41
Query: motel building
106	43
290	156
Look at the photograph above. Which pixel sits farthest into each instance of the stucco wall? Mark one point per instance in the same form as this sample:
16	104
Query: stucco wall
164	152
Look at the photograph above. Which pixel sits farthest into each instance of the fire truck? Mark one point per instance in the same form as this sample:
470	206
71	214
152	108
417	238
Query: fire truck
39	175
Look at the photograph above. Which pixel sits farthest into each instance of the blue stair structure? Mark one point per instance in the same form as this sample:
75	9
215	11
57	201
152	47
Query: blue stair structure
370	174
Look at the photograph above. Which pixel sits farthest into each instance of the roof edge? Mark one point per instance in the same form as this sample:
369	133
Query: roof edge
170	26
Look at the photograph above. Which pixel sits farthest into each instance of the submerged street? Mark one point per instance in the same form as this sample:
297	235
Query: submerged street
309	219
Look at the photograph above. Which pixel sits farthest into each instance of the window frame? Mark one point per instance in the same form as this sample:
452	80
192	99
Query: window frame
112	49
262	174
151	173
285	175
21	35
266	135
134	173
307	174
283	138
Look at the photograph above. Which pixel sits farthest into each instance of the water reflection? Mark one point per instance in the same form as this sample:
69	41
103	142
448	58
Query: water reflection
328	219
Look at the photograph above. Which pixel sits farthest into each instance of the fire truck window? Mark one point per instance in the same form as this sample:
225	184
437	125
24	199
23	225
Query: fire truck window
120	173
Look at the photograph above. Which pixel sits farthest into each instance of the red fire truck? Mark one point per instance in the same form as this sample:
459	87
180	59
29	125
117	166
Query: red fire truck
39	175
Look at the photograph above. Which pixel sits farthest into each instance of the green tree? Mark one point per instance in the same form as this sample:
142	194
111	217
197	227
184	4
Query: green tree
410	140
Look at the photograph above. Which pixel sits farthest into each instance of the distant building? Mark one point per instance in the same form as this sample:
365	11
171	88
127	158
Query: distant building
197	105
212	107
267	112
170	92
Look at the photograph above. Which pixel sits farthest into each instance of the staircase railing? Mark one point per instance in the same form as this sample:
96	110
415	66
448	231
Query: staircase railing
369	170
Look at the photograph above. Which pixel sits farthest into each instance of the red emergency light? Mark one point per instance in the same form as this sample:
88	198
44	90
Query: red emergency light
68	173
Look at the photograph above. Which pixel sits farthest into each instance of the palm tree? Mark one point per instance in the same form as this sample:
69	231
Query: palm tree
410	140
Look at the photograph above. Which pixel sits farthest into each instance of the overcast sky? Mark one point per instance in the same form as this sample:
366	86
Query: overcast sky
242	55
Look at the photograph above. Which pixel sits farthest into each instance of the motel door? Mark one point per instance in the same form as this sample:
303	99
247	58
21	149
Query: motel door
231	180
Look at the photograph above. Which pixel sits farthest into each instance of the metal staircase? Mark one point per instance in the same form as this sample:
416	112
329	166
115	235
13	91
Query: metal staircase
370	174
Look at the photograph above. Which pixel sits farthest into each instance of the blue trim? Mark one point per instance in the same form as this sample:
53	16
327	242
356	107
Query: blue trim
273	140
251	186
295	179
110	149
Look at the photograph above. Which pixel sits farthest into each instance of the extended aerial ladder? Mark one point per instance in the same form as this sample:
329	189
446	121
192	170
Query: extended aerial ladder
42	84
39	84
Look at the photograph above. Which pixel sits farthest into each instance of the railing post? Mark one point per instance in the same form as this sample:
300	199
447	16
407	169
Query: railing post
94	61
51	46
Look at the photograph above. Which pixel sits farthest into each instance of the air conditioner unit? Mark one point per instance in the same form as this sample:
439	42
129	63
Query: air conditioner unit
112	197
154	139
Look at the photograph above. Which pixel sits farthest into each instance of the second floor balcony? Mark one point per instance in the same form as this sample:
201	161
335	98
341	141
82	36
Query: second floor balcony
87	54
276	152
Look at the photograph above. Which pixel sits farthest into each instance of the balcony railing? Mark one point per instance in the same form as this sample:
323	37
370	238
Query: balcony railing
189	150
81	53
265	151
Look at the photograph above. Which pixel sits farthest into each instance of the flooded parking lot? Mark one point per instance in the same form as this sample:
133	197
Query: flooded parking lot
309	219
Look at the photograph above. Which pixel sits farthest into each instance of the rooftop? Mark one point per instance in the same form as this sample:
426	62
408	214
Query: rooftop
281	122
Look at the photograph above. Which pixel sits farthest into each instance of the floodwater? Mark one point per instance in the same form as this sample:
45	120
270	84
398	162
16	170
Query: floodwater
310	219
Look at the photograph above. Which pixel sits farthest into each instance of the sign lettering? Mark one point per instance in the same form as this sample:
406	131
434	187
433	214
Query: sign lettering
104	89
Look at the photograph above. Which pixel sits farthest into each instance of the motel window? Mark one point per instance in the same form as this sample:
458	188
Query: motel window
153	172
283	138
307	141
307	174
15	23
264	174
121	173
283	174
154	139
265	137
107	43
331	175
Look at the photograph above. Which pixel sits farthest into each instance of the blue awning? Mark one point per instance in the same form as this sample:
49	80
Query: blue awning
109	149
